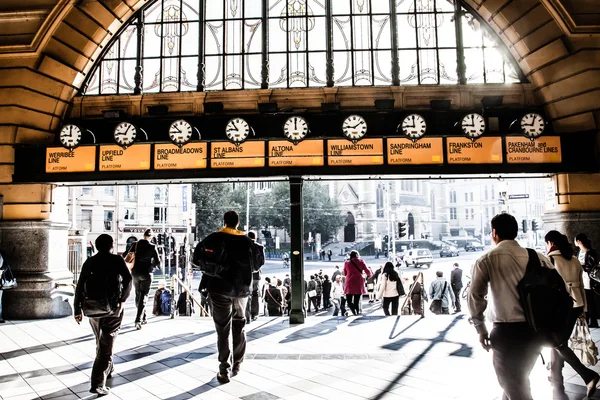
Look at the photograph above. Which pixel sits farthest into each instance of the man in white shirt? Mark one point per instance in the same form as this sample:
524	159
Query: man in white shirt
514	344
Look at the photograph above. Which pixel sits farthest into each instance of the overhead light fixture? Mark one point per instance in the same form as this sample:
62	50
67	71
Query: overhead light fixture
492	101
330	107
384	104
212	107
113	114
267	108
440	104
158	109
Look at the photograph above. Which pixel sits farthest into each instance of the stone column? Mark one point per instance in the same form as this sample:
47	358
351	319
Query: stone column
37	253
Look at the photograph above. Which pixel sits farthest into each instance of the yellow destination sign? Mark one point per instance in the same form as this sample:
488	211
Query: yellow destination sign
305	154
485	150
520	150
190	156
134	158
341	152
424	151
81	159
246	155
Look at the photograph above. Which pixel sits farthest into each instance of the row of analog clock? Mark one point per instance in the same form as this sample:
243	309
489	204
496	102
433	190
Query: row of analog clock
296	128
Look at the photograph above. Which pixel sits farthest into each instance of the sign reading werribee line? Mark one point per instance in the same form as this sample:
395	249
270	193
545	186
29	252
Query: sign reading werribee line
542	150
81	159
485	150
134	158
425	151
342	152
304	154
246	155
190	156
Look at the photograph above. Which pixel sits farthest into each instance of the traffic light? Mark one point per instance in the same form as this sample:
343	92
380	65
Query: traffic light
386	239
401	229
524	225
266	234
160	239
534	225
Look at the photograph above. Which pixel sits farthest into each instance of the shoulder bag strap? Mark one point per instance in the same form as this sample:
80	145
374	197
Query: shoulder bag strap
443	290
270	295
356	266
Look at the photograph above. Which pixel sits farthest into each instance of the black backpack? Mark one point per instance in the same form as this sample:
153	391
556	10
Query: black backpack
209	257
546	302
102	292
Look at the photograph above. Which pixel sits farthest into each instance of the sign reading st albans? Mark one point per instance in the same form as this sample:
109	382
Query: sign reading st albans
425	151
485	150
542	150
304	154
134	158
81	159
342	152
190	156
246	155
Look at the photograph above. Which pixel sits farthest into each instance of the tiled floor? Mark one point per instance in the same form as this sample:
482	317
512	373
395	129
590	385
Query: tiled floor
369	357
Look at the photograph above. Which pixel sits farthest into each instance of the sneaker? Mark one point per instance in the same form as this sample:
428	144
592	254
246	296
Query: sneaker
2	321
144	322
138	326
223	378
100	390
235	370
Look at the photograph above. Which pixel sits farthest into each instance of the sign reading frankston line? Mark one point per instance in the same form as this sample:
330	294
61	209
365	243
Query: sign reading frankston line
485	150
425	151
542	150
342	152
246	155
81	159
190	156
304	154
134	158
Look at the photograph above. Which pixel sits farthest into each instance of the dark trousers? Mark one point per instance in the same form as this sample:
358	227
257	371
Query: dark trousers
318	301
394	302
141	283
106	330
515	350
254	307
343	305
1	291
592	312
456	298
228	315
326	300
313	301
353	301
564	353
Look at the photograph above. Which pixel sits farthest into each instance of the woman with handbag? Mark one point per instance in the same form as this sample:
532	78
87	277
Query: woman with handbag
588	258
560	253
389	289
355	283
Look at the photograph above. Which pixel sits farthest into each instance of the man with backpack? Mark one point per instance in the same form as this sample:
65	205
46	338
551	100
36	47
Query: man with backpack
103	287
515	345
227	259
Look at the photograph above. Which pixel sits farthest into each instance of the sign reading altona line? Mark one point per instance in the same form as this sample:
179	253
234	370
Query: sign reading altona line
246	155
81	159
542	150
190	156
304	154
134	158
342	152
485	150
404	151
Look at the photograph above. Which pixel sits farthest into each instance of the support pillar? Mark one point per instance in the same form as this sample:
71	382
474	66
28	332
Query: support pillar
297	313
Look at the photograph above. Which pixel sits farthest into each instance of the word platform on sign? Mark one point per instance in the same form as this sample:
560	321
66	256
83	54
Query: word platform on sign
425	151
190	156
81	159
247	155
485	150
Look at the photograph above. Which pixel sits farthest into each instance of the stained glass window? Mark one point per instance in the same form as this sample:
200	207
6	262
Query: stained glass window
189	45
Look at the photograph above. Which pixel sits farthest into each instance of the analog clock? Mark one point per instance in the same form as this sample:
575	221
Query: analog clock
473	125
237	130
295	129
532	125
414	126
354	127
180	132
70	136
125	134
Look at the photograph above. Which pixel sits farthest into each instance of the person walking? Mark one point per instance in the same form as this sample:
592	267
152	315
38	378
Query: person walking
103	276
230	290
588	258
388	289
319	282
336	272
417	295
326	292
146	259
371	286
560	253
457	285
337	294
355	283
515	346
311	293
253	303
274	299
440	290
329	254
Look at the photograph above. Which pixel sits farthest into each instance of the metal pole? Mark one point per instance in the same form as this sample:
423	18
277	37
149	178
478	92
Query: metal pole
247	206
329	43
264	73
297	315
461	68
395	58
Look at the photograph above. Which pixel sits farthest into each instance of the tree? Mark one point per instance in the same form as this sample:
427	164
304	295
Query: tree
212	201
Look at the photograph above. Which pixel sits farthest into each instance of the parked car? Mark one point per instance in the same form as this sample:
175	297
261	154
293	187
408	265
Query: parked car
449	251
418	258
474	246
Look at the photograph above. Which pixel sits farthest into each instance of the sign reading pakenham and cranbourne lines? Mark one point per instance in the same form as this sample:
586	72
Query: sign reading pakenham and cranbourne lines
546	149
425	151
485	150
342	152
246	155
81	159
304	154
190	156
133	158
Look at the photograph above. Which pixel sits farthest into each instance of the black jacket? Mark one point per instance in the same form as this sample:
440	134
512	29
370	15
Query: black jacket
146	257
260	260
456	279
241	257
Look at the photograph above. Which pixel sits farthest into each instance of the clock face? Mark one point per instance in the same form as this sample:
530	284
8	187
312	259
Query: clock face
70	136
295	129
180	132
473	125
414	126
237	130
532	125
125	134
354	127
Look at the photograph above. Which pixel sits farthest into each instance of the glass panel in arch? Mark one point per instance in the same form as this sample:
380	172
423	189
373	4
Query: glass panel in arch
342	68
190	40
510	75
316	34
361	32
153	12
252	8
382	36
170	75
233	72
471	32
428	67
191	9
110	70
252	70
152	35
426	30
341	33
93	83
341	7
380	6
214	73
405	6
298	75
277	37
446	33
297	29
494	65
252	35
189	73
214	38
233	9
444	5
233	37
277	8
316	8
127	79
362	68
448	73
407	35
317	65
361	6
151	75
278	70
128	41
214	10
382	66
474	62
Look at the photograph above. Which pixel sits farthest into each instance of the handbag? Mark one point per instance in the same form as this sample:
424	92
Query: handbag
312	293
7	280
582	344
436	305
400	287
130	257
